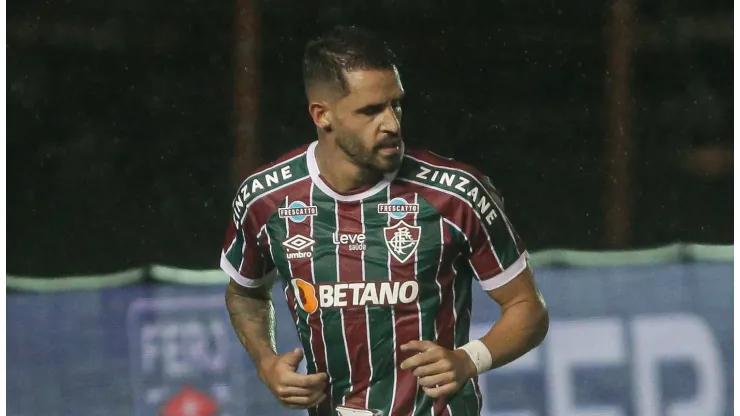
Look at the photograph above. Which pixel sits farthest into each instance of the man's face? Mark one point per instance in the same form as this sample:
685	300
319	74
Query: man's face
367	121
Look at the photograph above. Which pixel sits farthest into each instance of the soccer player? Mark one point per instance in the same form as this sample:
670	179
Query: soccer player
377	247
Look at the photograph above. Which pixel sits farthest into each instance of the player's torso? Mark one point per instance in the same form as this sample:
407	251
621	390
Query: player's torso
364	274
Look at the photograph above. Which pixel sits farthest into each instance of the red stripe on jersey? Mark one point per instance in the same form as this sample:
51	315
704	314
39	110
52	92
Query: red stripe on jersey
484	260
350	270
406	316
444	322
230	236
478	394
520	246
252	261
319	354
292	303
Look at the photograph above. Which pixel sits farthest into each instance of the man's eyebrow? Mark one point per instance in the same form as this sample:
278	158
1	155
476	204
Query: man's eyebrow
371	107
380	104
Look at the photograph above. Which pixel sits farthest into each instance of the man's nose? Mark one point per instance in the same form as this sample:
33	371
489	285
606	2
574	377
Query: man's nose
391	121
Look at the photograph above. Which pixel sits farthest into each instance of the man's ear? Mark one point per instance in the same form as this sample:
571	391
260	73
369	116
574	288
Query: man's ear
321	115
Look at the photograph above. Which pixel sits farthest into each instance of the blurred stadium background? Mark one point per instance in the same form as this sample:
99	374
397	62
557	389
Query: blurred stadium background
608	126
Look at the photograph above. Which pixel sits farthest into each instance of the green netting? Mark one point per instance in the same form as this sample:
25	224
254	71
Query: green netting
548	258
662	255
91	282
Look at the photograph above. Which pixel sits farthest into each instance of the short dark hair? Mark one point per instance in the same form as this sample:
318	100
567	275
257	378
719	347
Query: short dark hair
341	50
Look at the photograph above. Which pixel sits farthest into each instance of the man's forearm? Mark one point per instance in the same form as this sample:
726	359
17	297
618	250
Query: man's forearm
252	315
521	328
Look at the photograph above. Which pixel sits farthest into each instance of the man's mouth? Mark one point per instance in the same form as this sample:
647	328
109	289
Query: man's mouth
390	147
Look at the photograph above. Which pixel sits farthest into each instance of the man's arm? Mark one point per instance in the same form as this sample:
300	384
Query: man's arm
524	320
499	260
523	325
252	315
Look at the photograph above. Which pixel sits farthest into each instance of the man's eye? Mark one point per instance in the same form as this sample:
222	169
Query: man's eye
371	110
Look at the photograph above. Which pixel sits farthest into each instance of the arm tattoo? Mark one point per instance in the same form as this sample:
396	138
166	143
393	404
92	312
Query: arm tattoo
252	315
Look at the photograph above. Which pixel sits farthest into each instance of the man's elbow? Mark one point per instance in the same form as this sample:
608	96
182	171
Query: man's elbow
541	324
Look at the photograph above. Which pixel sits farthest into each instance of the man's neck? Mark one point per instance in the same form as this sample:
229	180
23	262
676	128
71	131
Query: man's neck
340	172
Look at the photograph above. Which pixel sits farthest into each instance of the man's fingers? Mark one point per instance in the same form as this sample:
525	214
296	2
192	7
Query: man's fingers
423	358
436	392
304	402
437	379
310	381
435	367
291	391
418	346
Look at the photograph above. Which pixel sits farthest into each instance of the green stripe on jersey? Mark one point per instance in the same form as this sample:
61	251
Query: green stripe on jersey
462	308
465	402
235	253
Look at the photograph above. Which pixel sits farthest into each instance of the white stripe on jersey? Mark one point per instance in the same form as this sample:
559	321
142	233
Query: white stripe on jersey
416	276
367	317
393	318
436	280
321	313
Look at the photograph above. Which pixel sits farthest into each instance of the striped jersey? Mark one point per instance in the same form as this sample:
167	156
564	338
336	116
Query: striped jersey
368	272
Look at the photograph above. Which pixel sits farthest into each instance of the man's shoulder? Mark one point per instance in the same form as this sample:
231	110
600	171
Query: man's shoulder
292	156
431	157
425	164
448	176
287	169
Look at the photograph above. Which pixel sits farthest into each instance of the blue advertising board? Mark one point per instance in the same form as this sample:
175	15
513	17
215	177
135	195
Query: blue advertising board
643	340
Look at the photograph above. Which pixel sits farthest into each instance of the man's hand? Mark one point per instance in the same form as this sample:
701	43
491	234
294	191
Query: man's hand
441	372
297	391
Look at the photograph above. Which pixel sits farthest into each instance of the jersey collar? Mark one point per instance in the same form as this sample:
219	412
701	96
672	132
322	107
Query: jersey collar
313	170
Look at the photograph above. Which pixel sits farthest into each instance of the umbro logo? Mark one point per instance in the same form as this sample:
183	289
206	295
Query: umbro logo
298	247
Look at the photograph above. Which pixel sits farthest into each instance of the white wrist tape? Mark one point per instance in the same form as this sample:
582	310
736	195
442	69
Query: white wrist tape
480	355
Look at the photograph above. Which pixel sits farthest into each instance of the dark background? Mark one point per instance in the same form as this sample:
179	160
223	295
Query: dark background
121	120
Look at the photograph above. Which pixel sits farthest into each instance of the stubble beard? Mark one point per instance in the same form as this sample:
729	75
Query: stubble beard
371	163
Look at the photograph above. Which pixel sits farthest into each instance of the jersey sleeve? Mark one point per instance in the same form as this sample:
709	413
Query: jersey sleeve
243	258
497	254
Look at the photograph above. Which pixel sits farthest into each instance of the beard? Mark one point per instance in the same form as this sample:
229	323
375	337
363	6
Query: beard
370	159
